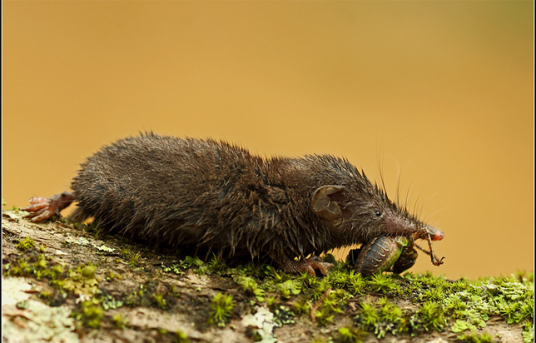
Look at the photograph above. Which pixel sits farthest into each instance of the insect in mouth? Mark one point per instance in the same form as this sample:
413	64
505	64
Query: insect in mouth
389	253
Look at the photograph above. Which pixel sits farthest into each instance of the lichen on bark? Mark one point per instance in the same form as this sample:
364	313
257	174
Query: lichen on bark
71	282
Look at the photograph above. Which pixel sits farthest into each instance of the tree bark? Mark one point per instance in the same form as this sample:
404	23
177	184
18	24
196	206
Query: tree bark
165	306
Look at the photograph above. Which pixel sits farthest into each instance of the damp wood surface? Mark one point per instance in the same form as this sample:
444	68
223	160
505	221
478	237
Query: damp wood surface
73	283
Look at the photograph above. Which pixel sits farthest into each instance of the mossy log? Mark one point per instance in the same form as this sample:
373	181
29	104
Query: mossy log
65	282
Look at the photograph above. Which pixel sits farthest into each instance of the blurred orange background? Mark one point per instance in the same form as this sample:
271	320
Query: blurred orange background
438	92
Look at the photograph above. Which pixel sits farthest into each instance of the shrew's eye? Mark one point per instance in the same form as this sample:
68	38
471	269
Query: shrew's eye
377	214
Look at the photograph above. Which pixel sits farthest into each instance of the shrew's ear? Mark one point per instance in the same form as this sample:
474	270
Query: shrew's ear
326	202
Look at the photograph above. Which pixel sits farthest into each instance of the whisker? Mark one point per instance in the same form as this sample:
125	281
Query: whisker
382	179
407	196
438	211
399	175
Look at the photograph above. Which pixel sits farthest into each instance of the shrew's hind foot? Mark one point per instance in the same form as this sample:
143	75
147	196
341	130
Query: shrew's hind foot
309	265
44	208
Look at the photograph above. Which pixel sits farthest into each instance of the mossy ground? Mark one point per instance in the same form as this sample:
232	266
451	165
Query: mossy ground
116	288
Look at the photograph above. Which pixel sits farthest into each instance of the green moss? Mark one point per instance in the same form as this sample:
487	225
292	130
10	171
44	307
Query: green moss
58	284
40	263
88	271
433	294
368	316
288	288
430	316
125	253
147	295
323	316
392	319
339	278
271	301
528	332
174	290
42	266
132	299
56	270
332	303
24	265
320	340
250	287
462	325
25	244
134	261
460	306
349	335
221	309
385	317
476	338
301	306
111	276
283	316
276	275
89	313
356	284
180	337
120	321
110	302
383	284
15	271
193	262
253	269
454	306
79	281
217	265
319	288
174	268
159	301
198	266
45	294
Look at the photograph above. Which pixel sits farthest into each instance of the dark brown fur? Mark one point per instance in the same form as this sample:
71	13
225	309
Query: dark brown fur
218	196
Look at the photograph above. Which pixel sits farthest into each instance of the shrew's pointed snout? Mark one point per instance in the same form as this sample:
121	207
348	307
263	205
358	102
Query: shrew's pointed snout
435	234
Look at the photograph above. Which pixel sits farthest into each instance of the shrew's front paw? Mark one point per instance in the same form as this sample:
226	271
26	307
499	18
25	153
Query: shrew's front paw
309	265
